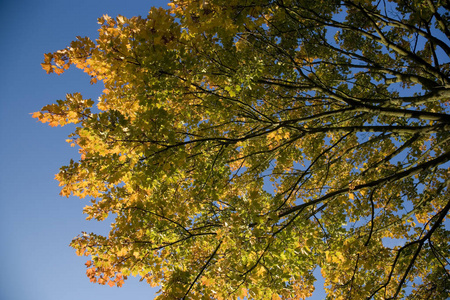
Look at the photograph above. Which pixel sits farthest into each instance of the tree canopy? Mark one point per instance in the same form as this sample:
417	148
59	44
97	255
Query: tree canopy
239	145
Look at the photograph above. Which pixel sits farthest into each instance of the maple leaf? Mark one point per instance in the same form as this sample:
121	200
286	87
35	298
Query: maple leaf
47	67
36	115
58	71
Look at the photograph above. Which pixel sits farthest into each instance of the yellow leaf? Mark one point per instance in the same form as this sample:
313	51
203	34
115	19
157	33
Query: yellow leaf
207	281
122	252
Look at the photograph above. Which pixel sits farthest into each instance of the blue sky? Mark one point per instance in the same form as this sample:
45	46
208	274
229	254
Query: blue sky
36	223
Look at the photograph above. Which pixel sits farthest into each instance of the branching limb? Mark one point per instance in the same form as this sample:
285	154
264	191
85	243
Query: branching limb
202	270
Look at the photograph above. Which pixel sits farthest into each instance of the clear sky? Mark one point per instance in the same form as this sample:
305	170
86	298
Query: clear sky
37	224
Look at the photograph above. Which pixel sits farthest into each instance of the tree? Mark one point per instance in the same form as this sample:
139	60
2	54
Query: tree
240	145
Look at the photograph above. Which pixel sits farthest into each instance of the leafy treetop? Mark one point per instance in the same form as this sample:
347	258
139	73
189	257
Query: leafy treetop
240	145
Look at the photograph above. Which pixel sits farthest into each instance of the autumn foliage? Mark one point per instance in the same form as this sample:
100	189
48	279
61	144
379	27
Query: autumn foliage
240	145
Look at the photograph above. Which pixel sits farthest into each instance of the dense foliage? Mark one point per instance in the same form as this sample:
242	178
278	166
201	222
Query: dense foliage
241	144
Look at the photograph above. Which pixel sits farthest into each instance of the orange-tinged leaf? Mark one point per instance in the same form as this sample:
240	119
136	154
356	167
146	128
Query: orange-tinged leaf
243	293
58	71
36	114
47	67
53	123
48	57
